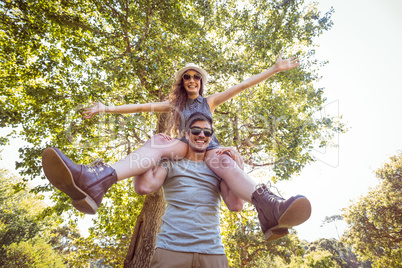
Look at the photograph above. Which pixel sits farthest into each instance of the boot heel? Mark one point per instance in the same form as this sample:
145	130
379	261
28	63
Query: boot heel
273	234
86	205
297	213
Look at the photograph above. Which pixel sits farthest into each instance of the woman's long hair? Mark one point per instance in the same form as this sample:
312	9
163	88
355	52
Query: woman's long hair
177	100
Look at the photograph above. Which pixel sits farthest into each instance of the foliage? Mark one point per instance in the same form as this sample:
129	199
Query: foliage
245	243
320	259
322	253
375	222
340	254
98	264
18	213
31	254
26	236
110	237
57	57
62	238
246	247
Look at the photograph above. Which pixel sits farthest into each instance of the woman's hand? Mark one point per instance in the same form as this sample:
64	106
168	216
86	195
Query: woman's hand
167	137
283	65
97	108
233	153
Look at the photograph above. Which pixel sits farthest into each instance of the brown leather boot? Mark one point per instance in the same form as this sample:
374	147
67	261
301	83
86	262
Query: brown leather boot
276	214
86	185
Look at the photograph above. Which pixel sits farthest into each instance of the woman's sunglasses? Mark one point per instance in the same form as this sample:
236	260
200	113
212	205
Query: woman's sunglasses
196	77
197	131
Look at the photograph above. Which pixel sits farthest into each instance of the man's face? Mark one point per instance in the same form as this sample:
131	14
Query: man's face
198	143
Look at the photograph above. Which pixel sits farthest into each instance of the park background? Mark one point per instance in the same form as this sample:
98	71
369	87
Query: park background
362	84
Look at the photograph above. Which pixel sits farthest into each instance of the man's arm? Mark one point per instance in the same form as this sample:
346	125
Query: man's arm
150	181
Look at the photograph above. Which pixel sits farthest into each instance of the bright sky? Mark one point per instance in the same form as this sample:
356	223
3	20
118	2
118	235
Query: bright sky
363	77
363	83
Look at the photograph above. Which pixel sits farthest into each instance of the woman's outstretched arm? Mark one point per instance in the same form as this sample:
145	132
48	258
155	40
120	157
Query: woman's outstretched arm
280	65
99	107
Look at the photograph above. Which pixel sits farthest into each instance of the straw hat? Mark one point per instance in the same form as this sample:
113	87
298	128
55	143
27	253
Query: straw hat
192	66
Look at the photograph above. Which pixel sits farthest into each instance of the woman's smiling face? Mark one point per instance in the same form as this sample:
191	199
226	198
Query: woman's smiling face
192	85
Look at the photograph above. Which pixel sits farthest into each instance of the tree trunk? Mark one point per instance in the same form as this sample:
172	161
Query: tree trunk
148	224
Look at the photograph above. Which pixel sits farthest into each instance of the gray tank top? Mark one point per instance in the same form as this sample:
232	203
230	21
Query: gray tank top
201	105
191	222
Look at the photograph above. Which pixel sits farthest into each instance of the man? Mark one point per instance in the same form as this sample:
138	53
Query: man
190	233
190	227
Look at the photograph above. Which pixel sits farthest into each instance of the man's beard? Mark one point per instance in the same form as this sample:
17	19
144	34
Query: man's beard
197	149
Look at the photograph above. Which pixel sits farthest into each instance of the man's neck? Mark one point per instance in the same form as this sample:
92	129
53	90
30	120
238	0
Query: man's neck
195	156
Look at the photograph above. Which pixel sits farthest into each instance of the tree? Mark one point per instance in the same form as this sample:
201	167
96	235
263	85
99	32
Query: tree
340	254
109	238
320	259
62	239
28	238
17	214
58	56
322	253
245	245
31	254
375	222
314	259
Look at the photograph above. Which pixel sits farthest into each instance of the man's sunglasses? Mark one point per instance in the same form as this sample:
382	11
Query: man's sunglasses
197	131
196	77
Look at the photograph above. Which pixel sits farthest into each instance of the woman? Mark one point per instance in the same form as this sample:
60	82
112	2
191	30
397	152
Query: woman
87	185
